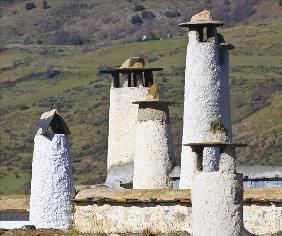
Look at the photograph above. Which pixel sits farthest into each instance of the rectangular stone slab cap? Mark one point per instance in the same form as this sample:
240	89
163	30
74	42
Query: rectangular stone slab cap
55	121
213	144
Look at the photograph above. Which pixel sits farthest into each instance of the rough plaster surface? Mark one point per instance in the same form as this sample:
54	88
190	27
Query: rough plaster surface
263	219
206	99
122	126
52	182
227	160
155	111
210	159
217	204
165	218
153	150
136	218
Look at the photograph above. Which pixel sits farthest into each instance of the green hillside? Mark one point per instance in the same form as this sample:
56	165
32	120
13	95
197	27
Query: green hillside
37	77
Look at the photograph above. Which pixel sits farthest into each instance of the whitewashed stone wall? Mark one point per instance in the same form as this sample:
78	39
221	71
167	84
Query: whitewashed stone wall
263	219
138	218
164	218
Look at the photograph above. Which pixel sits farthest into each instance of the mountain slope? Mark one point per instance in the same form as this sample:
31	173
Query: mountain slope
103	22
37	77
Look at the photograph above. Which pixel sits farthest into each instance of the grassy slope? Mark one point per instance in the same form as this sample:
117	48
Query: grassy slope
83	98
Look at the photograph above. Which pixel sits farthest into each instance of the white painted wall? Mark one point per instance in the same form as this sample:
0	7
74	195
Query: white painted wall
138	219
165	218
122	127
206	99
52	185
13	224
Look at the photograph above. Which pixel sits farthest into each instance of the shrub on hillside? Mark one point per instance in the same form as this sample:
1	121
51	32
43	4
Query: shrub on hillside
147	15
17	175
51	72
3	49
29	6
136	20
103	67
139	7
45	4
171	14
63	37
76	39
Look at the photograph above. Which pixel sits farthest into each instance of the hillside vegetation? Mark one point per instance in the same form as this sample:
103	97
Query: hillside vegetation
103	22
41	73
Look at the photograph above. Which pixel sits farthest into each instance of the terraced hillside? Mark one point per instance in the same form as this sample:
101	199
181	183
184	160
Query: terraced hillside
37	77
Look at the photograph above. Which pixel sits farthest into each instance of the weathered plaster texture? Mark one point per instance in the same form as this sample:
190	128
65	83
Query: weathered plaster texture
122	127
263	219
217	204
137	218
206	100
52	182
153	148
166	218
153	111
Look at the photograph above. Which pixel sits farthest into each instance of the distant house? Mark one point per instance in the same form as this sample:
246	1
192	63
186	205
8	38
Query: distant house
254	176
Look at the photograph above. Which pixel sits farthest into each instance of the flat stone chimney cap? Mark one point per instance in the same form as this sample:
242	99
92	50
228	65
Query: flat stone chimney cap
55	121
212	144
153	102
133	64
203	18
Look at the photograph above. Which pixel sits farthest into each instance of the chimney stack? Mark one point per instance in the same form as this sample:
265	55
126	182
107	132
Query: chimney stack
207	114
129	83
52	187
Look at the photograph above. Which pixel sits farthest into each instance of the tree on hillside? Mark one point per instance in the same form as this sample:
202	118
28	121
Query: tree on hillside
136	20
171	14
139	7
147	15
45	4
29	6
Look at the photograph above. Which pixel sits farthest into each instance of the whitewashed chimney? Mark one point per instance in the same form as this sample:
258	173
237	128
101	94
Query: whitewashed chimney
206	101
217	196
52	187
129	83
208	157
153	146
